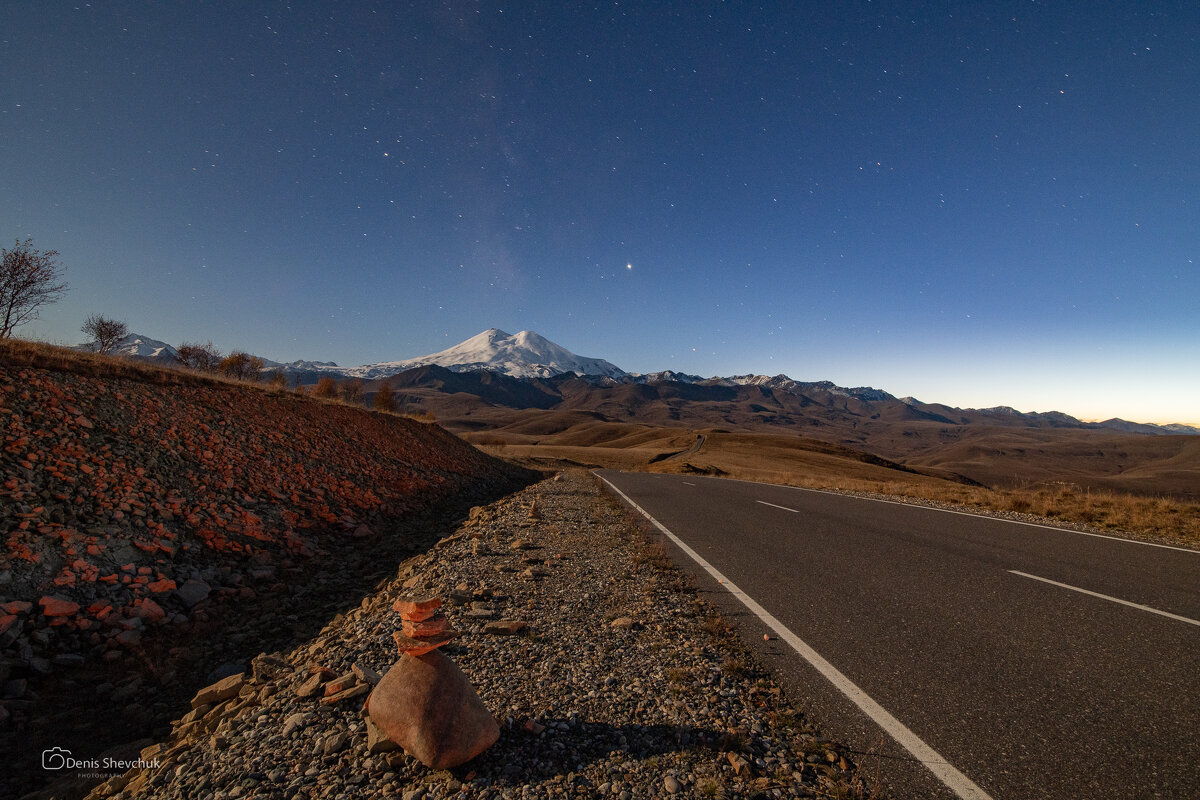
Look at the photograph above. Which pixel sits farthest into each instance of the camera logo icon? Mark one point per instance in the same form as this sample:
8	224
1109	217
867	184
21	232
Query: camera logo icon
55	758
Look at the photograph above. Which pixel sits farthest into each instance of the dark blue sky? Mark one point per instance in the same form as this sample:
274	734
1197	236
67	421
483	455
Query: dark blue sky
977	204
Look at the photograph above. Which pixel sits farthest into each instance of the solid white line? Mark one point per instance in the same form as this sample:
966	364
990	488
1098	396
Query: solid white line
960	784
772	505
685	483
1138	606
1123	540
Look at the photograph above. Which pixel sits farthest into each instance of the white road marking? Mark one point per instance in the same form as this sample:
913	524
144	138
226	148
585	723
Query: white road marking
1138	606
685	483
1191	550
772	505
957	782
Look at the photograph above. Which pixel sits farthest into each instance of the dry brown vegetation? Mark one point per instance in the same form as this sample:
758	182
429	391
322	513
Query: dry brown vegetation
795	461
23	353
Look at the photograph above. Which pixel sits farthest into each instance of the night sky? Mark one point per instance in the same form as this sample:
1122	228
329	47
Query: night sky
970	203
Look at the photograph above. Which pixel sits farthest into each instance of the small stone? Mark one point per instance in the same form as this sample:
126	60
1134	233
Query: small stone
624	623
311	686
333	743
340	684
481	611
220	691
295	722
505	627
365	673
377	740
671	784
53	606
193	592
358	690
131	638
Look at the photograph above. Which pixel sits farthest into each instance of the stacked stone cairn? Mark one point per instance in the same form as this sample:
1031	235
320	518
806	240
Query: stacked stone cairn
424	703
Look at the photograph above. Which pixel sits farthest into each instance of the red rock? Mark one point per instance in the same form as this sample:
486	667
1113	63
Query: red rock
426	705
57	606
162	586
17	606
357	690
419	629
7	621
149	610
417	608
311	686
341	684
417	647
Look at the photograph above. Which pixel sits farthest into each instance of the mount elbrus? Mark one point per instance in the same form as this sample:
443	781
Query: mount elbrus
527	370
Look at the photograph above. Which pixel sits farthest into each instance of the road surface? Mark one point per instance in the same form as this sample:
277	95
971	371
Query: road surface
972	656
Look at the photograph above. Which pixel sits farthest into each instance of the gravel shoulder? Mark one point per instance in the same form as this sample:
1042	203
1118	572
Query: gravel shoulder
614	679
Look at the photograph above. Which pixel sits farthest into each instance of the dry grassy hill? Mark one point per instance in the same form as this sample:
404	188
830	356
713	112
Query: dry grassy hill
993	449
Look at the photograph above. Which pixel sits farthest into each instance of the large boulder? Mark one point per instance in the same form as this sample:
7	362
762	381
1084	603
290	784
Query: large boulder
426	705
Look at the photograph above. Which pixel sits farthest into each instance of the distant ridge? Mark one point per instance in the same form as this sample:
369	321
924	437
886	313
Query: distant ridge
529	356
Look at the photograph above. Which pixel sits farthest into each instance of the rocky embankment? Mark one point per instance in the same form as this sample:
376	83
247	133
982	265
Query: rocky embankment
608	675
157	528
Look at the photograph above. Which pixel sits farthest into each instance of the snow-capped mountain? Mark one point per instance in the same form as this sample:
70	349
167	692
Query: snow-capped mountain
523	355
135	345
786	384
528	355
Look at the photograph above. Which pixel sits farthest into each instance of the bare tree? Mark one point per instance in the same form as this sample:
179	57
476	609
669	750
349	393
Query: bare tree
29	279
384	399
351	390
326	387
242	366
203	357
105	332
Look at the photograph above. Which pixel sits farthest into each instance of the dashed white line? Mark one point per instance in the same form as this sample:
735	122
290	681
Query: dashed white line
957	782
1138	606
1119	539
772	505
685	483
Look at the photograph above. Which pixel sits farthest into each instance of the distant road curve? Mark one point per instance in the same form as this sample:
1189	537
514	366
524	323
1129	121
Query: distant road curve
991	658
696	445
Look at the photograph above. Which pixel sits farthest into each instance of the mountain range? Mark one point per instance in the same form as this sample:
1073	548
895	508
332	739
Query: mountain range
527	370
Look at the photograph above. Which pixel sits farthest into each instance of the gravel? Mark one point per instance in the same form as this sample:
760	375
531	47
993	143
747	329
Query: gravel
620	683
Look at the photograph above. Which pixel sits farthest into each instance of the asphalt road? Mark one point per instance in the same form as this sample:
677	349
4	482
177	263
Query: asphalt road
948	623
